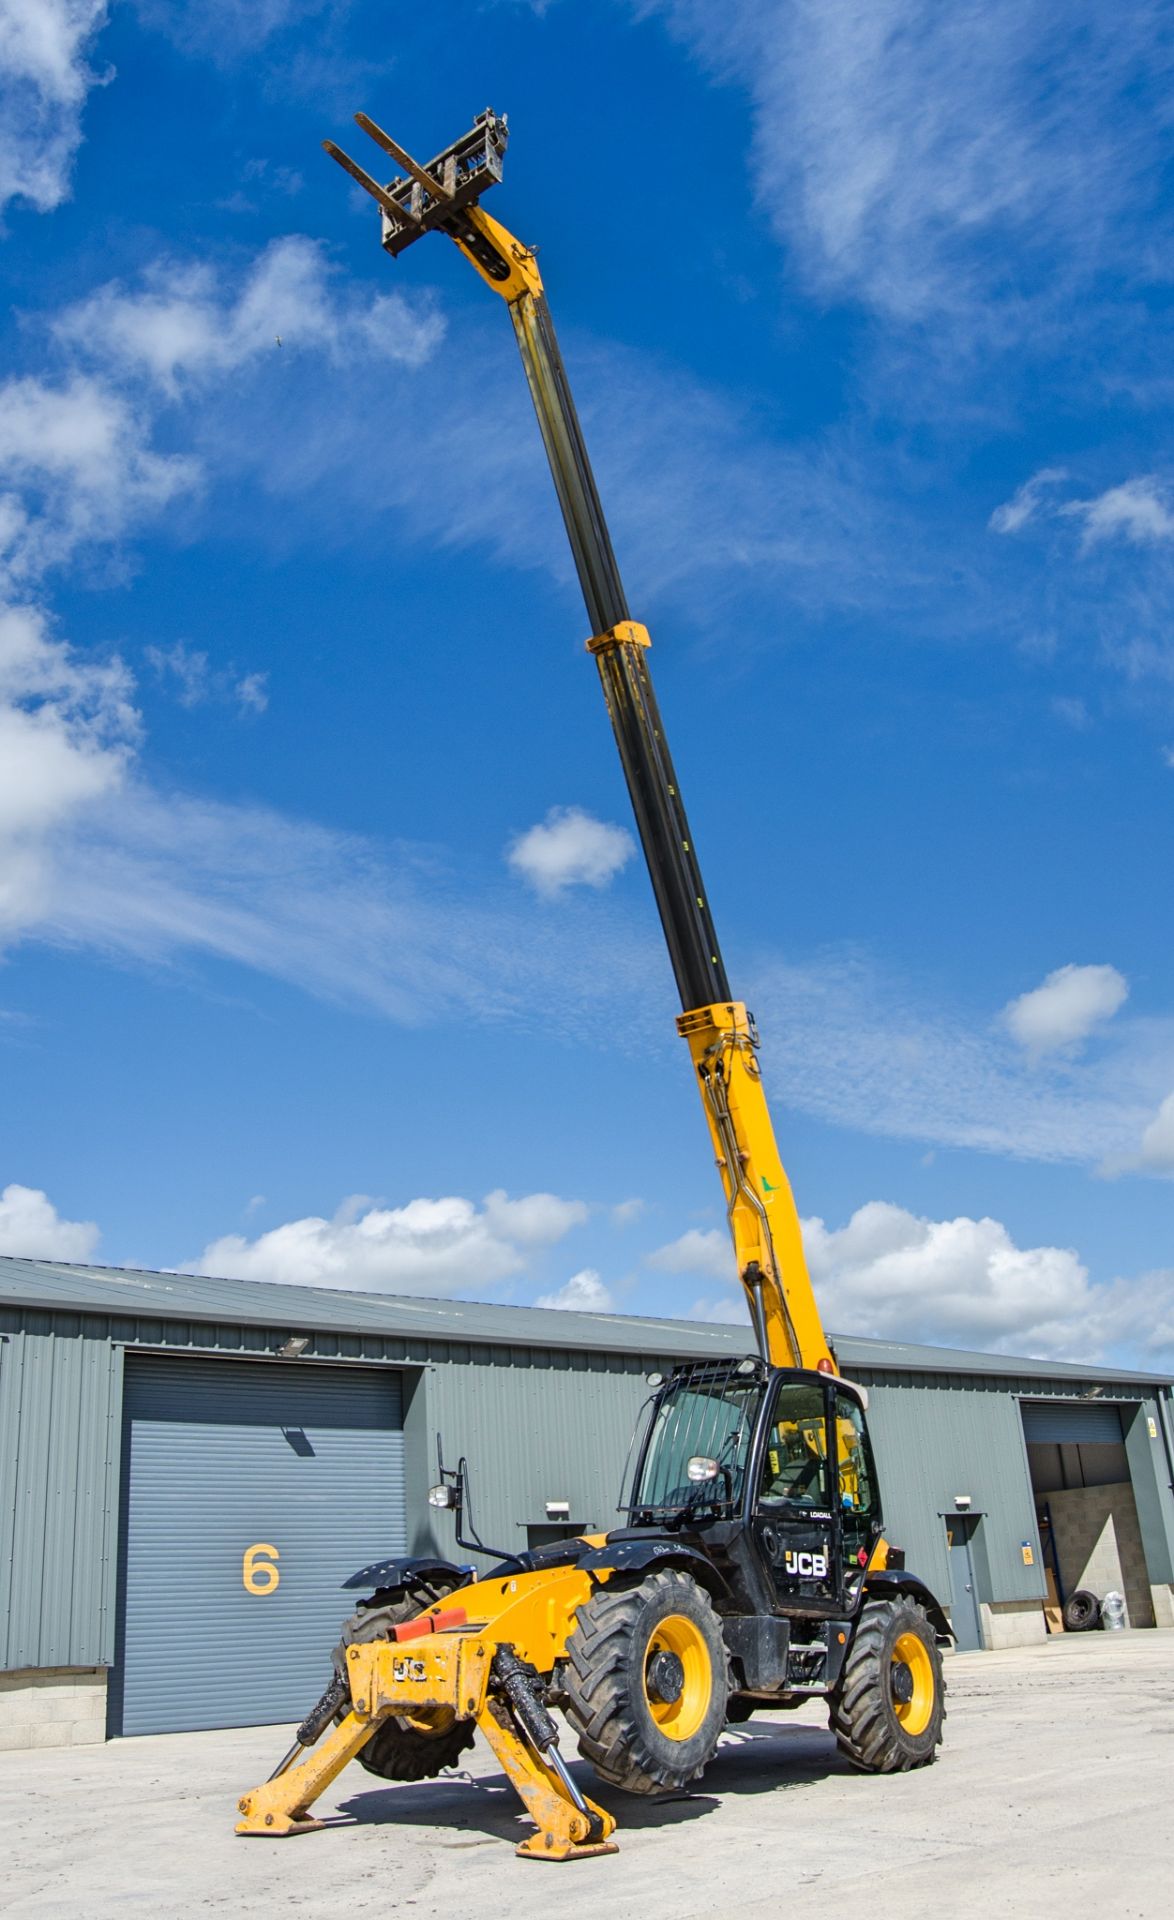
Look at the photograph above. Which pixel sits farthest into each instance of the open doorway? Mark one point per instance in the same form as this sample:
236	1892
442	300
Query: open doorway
1087	1515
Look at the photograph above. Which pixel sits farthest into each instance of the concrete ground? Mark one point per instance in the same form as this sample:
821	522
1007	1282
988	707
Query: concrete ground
1052	1797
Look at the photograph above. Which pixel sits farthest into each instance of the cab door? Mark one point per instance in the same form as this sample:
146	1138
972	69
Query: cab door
796	1520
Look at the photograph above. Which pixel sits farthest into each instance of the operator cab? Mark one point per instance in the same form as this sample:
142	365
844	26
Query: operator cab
776	1464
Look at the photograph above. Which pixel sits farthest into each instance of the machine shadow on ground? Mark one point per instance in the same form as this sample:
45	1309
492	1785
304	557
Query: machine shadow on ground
754	1758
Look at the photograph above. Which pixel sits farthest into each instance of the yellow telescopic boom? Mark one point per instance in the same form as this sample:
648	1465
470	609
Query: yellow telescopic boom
722	1040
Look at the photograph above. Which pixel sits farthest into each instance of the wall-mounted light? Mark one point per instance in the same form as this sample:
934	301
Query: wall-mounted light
962	1501
294	1347
558	1509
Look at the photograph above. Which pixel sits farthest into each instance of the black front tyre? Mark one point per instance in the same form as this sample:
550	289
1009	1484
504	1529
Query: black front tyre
646	1682
401	1748
888	1709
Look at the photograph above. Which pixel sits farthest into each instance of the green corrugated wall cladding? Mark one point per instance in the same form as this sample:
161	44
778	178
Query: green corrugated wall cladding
938	1435
60	1414
537	1427
538	1424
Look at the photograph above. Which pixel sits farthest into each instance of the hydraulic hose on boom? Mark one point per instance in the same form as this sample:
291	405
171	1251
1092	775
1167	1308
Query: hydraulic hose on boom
721	1035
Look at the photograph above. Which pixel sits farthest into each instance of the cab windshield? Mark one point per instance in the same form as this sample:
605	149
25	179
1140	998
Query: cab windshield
708	1413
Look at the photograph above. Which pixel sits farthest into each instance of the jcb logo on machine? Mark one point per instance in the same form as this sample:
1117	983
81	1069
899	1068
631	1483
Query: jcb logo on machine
807	1566
406	1669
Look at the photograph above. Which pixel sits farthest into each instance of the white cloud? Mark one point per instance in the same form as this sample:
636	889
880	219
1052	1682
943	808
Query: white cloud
1072	711
890	1274
1139	511
196	681
447	1246
537	1220
251	692
1024	505
965	1283
67	729
699	1250
44	80
77	465
626	1211
570	848
76	468
31	1226
858	1048
1157	1141
584	1292
185	326
905	150
166	878
228	30
1168	757
1065	1009
712	509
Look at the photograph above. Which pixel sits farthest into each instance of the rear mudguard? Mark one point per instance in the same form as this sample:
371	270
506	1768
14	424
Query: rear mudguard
404	1572
883	1585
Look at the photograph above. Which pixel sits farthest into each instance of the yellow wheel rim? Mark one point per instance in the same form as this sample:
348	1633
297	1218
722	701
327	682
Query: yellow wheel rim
914	1714
678	1717
432	1721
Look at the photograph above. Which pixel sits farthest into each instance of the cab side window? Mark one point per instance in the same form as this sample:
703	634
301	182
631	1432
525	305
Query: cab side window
855	1485
794	1471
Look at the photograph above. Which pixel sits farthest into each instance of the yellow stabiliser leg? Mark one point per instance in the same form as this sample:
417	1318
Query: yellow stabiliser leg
450	1670
564	1833
281	1806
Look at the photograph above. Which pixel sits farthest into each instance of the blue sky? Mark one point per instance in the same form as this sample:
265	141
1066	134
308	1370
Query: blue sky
325	955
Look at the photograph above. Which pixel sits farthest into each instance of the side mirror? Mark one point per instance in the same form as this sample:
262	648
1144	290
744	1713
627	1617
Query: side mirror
701	1468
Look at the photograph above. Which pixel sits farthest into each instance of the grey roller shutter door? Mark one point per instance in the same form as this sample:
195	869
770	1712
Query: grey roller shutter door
1057	1424
302	1464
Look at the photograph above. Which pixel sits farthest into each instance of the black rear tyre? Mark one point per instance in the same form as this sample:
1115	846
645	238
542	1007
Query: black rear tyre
646	1682
1082	1611
888	1709
403	1749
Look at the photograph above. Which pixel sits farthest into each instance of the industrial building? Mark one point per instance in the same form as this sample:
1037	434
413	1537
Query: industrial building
191	1467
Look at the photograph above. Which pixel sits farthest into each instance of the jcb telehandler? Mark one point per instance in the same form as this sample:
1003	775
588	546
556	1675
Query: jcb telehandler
753	1573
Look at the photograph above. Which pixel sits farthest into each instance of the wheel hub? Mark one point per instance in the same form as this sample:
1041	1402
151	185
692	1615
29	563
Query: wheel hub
665	1678
902	1683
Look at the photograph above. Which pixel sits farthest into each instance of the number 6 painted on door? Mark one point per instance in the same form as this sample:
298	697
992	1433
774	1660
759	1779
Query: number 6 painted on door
259	1573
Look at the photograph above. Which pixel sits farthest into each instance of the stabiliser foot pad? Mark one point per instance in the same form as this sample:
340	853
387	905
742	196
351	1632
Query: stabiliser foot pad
537	1848
283	1828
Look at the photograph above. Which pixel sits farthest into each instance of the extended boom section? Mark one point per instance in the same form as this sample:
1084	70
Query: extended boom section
722	1039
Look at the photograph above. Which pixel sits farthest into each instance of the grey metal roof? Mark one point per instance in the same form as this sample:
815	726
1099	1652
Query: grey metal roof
63	1287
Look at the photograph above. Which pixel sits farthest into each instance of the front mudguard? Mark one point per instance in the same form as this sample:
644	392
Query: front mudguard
634	1556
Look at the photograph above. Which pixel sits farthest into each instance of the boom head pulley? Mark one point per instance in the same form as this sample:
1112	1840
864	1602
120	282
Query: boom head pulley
425	198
